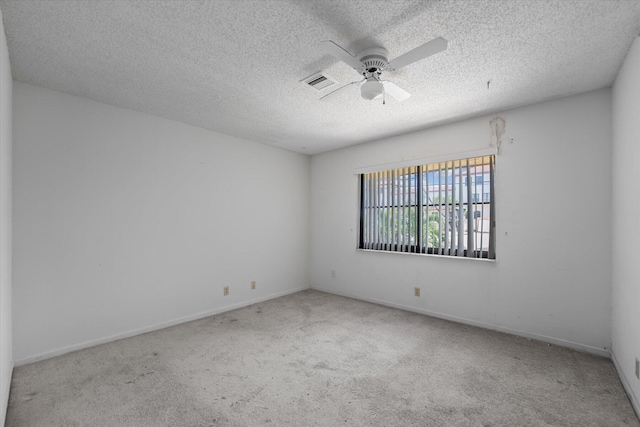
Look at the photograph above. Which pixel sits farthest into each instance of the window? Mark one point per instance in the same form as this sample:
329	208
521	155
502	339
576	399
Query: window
430	208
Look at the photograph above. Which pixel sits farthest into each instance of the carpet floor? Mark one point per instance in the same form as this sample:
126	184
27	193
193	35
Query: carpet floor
315	359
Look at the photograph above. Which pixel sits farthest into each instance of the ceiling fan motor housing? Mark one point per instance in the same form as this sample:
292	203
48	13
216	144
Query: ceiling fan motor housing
374	61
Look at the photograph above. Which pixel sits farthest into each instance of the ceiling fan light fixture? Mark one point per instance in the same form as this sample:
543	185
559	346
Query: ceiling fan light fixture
371	89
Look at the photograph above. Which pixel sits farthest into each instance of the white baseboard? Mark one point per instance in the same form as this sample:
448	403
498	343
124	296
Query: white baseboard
557	341
5	403
67	349
627	386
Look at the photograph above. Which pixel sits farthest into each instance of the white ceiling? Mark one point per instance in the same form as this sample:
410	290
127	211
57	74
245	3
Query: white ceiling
235	66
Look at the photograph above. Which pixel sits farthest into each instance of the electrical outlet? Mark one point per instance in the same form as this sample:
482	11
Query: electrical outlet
253	284
226	291
637	368
333	274
416	291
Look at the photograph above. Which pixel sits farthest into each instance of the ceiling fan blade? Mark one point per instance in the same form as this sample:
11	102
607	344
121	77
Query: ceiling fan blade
395	91
339	89
429	48
344	56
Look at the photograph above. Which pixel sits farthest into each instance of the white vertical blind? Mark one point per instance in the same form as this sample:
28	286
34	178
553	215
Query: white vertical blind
471	212
492	209
376	212
443	208
460	214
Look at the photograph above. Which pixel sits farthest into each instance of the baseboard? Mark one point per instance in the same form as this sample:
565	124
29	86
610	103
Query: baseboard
627	386
557	341
5	403
67	349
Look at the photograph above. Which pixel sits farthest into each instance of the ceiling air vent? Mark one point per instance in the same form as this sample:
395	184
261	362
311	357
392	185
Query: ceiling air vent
319	81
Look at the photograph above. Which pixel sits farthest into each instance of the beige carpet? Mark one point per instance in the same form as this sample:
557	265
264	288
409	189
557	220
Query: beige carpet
313	358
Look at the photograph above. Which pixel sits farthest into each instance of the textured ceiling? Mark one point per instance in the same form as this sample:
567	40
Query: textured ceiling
235	66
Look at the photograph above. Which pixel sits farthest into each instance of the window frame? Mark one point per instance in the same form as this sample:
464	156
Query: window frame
422	169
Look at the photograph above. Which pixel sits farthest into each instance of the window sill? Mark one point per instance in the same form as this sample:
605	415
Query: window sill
427	255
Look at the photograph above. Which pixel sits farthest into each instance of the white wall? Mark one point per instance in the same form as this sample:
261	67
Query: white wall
551	279
6	358
125	222
626	220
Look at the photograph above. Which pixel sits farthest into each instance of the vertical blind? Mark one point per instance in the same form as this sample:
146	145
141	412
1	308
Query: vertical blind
443	208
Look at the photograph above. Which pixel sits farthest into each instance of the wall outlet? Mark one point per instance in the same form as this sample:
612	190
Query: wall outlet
637	368
416	291
333	274
253	284
226	291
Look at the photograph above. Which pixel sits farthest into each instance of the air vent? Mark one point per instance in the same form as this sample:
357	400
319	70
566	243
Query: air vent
319	81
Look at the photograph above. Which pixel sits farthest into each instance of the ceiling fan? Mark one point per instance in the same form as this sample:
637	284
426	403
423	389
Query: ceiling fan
371	63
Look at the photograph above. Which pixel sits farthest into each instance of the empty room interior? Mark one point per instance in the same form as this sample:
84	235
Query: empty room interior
289	212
